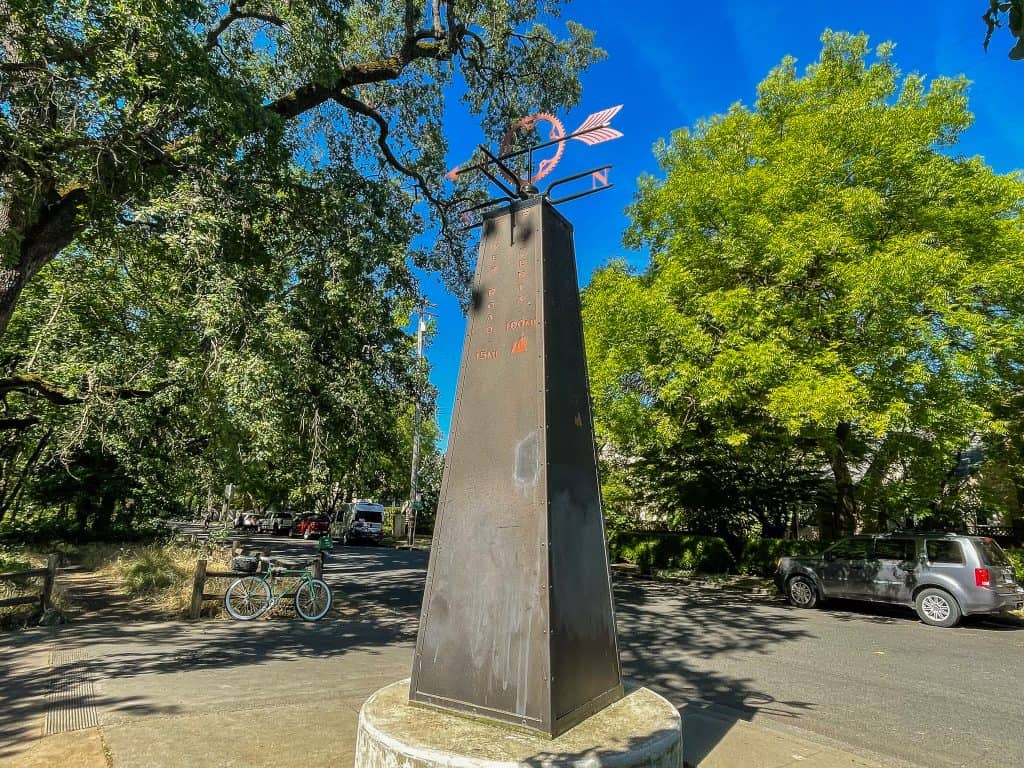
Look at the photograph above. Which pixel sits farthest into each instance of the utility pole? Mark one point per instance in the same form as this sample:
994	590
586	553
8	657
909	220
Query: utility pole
410	514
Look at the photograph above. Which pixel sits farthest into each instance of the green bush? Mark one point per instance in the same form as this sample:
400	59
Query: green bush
1017	559
151	569
12	562
759	556
704	554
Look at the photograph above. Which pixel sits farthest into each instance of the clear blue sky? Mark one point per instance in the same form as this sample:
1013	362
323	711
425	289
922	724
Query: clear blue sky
672	63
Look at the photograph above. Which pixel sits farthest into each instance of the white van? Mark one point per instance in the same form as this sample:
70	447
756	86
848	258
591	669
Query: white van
362	520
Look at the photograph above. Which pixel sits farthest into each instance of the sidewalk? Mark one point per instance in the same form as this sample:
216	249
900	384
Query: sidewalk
278	693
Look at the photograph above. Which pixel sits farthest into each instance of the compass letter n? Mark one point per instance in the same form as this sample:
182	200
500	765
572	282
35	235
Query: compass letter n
599	179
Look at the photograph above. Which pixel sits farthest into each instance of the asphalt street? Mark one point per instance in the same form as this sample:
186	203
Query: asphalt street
870	678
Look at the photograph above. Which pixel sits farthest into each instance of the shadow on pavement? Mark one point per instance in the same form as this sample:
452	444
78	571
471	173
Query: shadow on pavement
664	633
118	649
884	613
665	630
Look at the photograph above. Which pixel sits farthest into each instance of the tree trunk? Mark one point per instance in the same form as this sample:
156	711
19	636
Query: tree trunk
56	227
846	500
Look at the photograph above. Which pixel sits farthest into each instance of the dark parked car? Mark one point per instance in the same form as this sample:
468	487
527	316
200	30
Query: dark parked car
308	526
942	576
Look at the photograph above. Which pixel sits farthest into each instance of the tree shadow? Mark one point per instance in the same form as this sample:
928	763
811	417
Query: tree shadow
888	613
116	651
665	635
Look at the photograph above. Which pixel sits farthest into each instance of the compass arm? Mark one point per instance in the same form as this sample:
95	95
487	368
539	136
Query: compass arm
574	177
505	170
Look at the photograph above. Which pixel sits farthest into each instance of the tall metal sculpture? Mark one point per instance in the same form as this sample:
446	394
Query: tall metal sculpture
517	623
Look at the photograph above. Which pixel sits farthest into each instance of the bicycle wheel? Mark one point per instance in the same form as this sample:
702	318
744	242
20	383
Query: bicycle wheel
247	598
313	600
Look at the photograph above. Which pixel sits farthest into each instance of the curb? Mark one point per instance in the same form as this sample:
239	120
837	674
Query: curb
632	572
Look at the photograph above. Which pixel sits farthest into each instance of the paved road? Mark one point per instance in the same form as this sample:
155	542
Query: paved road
872	678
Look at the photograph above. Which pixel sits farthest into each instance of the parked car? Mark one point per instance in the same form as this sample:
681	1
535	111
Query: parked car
276	523
360	521
247	521
942	576
309	525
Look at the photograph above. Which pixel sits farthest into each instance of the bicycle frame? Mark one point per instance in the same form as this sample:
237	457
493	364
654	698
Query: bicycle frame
270	577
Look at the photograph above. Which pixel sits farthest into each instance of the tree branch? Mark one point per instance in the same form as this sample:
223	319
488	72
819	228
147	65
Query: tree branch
311	95
235	13
19	423
27	383
383	129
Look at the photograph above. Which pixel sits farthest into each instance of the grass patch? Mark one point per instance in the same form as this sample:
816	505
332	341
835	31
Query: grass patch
15	560
162	574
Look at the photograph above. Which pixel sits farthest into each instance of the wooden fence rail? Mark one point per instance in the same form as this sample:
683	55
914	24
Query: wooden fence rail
200	595
49	574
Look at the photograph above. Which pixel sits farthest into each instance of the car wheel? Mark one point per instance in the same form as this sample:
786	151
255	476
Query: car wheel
801	592
937	608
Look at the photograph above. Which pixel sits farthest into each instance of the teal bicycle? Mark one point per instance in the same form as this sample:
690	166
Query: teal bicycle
249	597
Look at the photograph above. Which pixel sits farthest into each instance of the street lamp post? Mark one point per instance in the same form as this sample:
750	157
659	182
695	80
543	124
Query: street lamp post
414	496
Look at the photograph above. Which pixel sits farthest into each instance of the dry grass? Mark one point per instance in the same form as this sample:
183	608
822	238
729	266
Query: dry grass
161	574
13	561
158	575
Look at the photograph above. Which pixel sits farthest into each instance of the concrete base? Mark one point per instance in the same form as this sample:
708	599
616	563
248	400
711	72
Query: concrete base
642	730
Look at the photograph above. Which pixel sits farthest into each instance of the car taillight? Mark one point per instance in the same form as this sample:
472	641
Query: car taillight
981	577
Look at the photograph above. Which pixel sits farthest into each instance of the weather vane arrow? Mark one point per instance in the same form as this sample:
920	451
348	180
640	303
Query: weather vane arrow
596	129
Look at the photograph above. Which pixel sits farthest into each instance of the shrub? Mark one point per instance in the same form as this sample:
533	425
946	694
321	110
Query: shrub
161	574
150	569
706	554
759	556
13	562
1017	560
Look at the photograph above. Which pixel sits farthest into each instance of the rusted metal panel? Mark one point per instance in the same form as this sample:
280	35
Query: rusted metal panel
520	506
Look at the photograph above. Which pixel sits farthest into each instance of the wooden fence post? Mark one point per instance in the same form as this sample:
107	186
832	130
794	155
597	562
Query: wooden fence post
51	576
198	585
318	568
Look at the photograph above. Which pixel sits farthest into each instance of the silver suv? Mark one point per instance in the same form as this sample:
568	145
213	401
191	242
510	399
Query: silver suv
943	576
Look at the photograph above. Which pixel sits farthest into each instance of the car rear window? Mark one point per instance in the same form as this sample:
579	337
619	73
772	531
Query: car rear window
944	551
990	552
369	515
894	549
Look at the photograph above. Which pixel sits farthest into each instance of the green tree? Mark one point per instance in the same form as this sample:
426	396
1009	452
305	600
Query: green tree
273	362
105	104
822	267
208	214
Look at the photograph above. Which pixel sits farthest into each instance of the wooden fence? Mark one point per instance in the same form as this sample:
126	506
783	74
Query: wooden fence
49	574
200	595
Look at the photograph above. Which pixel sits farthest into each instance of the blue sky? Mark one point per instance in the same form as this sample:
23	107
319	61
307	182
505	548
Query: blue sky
671	64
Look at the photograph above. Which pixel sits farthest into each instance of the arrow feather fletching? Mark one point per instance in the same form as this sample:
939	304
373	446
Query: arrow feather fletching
600	121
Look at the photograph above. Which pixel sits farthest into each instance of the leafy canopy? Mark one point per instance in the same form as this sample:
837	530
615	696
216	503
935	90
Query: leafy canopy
823	270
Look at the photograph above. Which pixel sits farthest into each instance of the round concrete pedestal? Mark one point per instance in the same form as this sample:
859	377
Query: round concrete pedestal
642	730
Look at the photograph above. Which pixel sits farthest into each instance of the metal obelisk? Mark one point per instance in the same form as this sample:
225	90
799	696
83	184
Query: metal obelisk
517	622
